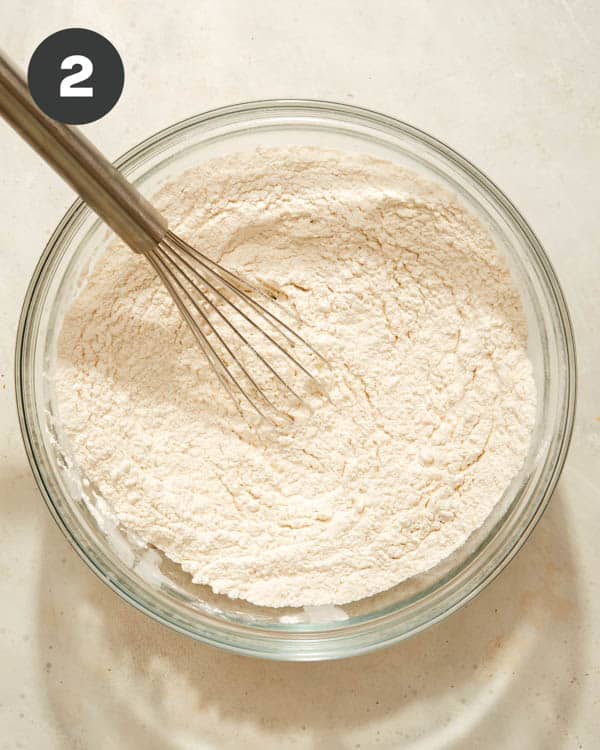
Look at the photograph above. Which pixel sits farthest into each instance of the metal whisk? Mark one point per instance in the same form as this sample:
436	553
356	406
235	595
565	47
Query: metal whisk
262	362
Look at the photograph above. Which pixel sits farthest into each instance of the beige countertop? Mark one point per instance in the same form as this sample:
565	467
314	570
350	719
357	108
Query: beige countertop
514	87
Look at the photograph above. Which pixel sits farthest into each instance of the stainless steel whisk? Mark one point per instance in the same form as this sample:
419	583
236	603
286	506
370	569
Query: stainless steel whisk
254	353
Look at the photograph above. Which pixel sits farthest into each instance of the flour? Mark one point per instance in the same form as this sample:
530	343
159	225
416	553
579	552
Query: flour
433	397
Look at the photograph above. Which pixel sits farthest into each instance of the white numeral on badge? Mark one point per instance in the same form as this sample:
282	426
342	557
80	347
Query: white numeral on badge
67	83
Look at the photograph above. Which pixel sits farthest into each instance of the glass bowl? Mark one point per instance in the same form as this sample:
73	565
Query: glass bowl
159	588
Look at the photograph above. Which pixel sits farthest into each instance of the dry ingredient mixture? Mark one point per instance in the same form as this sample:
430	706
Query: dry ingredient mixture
433	397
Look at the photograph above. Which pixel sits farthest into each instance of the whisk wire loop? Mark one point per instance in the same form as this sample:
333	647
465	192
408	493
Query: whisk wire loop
222	372
202	290
235	330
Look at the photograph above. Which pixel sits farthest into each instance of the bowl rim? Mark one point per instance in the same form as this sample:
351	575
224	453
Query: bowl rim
341	642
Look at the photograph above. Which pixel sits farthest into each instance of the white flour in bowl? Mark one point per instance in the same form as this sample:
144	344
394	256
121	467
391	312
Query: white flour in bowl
433	398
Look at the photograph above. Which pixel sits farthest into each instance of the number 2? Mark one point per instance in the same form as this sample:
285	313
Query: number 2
68	82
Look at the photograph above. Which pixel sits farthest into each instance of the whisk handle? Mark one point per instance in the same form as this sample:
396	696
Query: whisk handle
79	162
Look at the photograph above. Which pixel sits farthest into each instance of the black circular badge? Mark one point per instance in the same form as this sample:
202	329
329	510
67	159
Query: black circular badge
76	76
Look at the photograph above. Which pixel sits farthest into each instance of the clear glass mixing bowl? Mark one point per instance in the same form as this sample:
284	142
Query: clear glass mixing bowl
158	587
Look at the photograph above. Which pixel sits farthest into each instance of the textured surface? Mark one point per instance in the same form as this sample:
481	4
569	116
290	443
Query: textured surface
431	399
514	87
